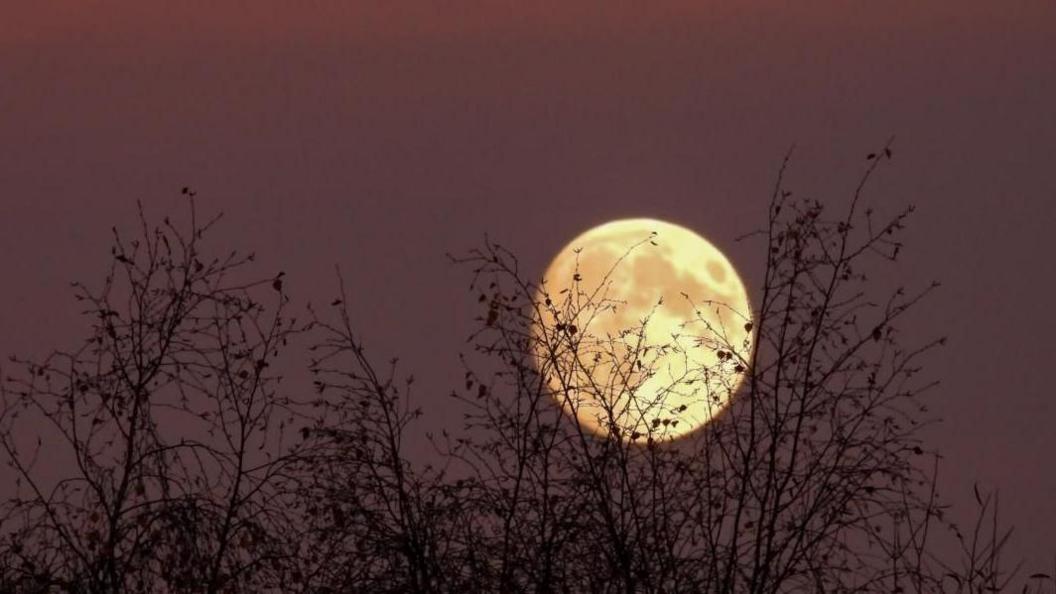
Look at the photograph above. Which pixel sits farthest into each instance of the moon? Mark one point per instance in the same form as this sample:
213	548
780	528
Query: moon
644	330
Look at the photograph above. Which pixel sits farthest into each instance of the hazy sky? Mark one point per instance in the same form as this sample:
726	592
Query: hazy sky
379	138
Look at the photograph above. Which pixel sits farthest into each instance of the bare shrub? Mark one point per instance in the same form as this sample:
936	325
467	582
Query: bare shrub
161	456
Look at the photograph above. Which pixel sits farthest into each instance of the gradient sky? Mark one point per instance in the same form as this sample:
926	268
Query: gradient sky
380	135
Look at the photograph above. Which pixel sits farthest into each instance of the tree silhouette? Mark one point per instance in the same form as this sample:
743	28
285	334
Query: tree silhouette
166	454
169	420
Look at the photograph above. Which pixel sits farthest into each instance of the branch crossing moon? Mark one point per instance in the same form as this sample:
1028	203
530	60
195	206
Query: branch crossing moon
645	330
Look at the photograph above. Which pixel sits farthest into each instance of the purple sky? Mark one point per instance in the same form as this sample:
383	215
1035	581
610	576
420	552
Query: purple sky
379	138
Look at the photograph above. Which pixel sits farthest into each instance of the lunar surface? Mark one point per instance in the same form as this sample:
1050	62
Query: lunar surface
645	330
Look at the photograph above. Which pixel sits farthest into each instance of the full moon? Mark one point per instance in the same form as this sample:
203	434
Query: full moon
644	330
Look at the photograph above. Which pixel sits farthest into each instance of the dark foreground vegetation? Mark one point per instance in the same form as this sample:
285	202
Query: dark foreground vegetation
166	453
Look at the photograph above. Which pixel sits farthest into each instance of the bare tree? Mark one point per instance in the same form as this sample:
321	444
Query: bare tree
372	521
168	417
187	470
813	479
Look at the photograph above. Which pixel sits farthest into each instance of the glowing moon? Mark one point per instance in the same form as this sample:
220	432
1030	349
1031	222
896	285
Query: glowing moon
645	329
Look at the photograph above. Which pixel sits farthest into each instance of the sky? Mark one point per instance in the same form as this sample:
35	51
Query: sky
379	136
